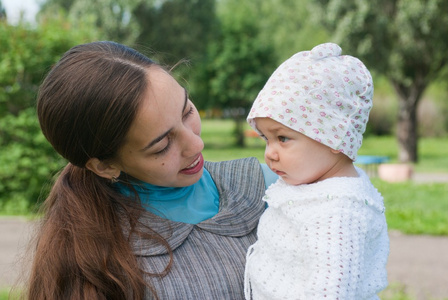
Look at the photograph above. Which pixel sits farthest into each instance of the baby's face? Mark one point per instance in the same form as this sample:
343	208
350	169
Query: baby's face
294	156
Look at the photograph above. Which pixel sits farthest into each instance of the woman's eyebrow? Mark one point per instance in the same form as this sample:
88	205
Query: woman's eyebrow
156	140
163	135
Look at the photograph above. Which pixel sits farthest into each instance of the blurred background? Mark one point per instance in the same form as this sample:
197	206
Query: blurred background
223	51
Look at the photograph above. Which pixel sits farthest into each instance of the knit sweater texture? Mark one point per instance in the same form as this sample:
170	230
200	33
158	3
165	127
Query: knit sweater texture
326	240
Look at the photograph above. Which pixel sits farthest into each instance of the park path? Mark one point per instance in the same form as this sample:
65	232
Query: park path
417	263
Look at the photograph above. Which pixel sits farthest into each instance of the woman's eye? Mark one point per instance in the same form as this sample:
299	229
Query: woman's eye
189	112
283	139
165	149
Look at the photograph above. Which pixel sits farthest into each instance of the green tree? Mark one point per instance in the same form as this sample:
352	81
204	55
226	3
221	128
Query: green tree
111	18
177	33
55	5
403	40
172	32
2	12
17	78
26	54
287	26
27	161
177	29
239	62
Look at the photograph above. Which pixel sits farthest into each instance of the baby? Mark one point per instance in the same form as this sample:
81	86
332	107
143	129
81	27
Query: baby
324	233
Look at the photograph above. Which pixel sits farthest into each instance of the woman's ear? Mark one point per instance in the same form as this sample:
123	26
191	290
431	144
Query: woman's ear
103	169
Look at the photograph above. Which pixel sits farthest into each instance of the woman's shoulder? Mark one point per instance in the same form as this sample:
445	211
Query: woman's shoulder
241	163
241	188
245	166
237	175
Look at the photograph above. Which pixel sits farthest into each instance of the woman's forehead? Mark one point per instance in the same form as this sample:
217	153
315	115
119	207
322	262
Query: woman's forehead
161	108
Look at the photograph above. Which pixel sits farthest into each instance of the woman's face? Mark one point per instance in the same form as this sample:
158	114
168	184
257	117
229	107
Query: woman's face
163	146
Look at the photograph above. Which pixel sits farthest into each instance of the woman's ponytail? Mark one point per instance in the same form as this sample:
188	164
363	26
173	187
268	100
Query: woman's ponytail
81	251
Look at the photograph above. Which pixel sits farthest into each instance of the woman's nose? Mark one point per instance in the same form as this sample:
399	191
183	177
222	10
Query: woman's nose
191	143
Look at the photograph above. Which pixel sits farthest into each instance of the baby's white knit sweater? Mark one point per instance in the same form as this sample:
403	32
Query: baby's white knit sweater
326	240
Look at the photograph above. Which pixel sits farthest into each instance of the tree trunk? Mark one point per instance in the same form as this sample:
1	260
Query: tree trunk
239	131
407	135
407	132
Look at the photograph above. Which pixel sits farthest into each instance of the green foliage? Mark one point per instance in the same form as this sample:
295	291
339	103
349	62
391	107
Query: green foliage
26	54
177	33
403	40
177	29
239	61
287	27
231	56
27	162
2	12
111	19
18	69
52	5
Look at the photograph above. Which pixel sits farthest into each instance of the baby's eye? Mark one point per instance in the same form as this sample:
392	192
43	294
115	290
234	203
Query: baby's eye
283	139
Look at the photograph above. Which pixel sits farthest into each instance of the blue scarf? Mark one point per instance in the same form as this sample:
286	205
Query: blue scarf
191	204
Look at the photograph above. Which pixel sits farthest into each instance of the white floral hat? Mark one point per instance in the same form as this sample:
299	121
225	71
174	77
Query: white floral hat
321	94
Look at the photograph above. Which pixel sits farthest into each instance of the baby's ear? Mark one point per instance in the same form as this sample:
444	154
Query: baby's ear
335	151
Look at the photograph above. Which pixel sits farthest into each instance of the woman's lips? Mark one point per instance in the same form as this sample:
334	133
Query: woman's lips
195	166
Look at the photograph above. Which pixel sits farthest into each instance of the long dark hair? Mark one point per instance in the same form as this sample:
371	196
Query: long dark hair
85	107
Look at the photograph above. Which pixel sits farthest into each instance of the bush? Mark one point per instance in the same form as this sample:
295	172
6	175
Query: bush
27	162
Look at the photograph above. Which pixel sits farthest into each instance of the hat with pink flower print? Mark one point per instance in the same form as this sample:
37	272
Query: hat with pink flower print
321	94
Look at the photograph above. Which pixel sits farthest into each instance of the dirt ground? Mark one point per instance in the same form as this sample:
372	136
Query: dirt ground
417	264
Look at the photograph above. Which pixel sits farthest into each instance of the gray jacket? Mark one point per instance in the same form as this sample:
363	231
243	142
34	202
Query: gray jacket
209	257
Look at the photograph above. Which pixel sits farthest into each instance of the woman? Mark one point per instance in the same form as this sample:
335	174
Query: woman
137	213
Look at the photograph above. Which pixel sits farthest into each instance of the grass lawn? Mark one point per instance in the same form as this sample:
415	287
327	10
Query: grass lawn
4	294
